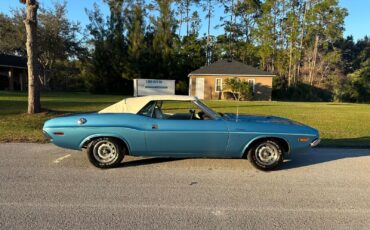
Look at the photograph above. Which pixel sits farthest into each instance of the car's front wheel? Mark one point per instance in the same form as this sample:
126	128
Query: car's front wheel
105	152
265	155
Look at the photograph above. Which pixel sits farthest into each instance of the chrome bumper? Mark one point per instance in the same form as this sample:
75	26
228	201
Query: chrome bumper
315	142
46	135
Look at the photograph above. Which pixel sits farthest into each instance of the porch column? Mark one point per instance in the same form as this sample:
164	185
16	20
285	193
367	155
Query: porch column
11	79
21	76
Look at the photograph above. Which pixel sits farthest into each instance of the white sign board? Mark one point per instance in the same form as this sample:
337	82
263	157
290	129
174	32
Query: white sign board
143	87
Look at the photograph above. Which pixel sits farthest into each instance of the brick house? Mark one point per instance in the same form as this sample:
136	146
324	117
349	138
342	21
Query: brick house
207	82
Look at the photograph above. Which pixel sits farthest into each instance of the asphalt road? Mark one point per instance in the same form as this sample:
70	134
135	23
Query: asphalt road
42	186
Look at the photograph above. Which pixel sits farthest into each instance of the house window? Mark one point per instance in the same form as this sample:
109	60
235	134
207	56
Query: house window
218	86
253	83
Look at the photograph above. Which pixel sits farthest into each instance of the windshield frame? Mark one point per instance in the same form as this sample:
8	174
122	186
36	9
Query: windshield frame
214	115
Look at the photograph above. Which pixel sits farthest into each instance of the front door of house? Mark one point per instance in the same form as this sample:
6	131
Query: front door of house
199	88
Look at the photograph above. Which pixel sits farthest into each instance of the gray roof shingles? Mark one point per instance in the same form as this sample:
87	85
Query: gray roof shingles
230	67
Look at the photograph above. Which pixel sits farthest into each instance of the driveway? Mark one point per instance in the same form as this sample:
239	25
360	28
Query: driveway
43	186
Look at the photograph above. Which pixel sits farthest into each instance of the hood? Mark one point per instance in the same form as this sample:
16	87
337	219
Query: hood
267	121
260	119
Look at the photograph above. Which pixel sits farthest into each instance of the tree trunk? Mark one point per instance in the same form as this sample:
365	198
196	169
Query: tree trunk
290	64
180	24
231	35
209	33
282	24
301	41
290	57
314	57
34	105
274	32
187	16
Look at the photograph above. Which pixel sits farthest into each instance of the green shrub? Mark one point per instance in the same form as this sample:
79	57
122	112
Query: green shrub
241	90
354	88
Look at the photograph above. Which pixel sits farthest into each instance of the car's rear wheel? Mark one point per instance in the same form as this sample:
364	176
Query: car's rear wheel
105	152
265	155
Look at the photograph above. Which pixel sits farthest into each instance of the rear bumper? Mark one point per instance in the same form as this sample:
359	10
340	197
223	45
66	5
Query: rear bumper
315	142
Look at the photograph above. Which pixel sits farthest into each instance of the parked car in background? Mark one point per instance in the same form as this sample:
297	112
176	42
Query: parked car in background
178	126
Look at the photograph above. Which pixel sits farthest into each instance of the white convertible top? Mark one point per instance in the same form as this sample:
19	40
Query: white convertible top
135	104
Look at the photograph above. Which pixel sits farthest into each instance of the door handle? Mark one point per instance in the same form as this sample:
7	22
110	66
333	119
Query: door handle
154	126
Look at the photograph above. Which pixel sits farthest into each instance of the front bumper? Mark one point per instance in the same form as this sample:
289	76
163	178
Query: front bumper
315	142
47	136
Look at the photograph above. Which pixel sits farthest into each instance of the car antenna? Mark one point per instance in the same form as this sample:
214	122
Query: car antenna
237	104
237	110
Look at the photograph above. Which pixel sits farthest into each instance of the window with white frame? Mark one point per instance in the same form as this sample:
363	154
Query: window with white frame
218	85
252	82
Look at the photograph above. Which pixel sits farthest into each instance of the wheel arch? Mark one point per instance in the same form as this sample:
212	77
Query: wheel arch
91	138
281	141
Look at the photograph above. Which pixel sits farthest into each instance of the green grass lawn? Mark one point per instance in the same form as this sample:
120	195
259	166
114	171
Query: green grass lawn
340	124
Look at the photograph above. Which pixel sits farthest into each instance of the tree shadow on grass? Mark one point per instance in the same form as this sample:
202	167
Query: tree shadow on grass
240	106
9	107
322	155
358	142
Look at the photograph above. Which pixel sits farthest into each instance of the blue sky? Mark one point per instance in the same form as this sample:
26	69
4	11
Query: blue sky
357	22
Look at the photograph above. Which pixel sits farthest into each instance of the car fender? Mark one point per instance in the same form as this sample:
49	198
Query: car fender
104	135
262	137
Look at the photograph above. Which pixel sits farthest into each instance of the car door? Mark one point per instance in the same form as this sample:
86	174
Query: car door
186	137
178	133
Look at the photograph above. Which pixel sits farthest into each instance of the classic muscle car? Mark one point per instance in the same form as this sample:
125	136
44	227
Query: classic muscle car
178	126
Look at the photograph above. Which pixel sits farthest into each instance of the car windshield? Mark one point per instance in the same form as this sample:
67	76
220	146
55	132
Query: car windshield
206	109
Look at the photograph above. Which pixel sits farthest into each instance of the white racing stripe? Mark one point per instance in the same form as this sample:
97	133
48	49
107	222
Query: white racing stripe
61	158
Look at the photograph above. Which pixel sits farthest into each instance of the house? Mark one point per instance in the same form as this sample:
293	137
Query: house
13	72
207	82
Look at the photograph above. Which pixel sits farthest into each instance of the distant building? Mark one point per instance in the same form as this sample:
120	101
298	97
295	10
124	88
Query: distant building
207	82
13	72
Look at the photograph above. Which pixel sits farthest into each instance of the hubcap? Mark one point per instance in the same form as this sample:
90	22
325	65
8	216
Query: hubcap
267	154
105	151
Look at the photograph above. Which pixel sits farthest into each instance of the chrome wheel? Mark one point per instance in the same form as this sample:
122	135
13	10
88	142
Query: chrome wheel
105	151
267	153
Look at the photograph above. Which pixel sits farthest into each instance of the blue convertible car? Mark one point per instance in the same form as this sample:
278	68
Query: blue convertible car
178	126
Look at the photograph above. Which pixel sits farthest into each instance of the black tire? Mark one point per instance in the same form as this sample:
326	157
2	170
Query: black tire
265	155
105	152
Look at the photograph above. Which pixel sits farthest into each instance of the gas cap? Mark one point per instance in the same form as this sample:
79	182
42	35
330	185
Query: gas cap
81	121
